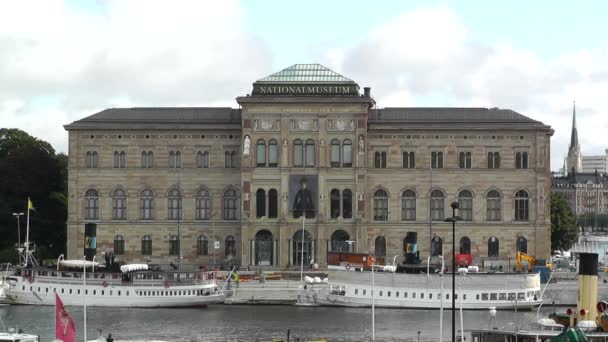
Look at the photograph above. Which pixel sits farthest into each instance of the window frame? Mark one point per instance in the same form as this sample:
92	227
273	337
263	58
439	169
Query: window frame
119	204
380	206
408	212
119	245
146	204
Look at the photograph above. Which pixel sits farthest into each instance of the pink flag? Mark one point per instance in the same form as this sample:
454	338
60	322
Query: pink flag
65	330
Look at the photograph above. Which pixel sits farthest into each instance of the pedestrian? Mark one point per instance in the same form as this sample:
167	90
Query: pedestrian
110	338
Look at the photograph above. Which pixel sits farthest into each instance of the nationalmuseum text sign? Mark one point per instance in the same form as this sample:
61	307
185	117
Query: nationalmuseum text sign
307	90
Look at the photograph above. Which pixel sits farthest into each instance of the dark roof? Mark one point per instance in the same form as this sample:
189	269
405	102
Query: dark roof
579	178
160	117
430	114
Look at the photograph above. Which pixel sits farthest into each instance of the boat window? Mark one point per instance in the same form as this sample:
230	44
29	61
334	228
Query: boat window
78	292
447	296
23	289
493	296
94	292
422	295
477	296
456	296
38	289
397	294
54	274
356	291
62	291
502	296
47	290
110	292
31	288
521	295
126	294
413	294
380	293
484	296
364	292
430	296
389	293
119	292
464	296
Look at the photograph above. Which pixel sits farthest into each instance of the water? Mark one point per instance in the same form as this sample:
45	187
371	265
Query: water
255	323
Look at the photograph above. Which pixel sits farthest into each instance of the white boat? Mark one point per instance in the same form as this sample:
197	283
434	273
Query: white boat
17	337
424	291
136	287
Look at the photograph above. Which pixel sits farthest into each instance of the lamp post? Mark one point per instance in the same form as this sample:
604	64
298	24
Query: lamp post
453	219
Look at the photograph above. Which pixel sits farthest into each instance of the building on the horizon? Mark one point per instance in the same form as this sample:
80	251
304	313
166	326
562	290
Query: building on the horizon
235	182
592	164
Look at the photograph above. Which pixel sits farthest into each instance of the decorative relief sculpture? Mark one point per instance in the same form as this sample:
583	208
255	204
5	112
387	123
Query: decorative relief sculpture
266	125
361	144
246	146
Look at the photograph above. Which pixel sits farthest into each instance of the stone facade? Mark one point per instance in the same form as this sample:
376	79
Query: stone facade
366	171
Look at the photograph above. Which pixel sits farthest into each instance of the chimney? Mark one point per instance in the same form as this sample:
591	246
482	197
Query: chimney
367	91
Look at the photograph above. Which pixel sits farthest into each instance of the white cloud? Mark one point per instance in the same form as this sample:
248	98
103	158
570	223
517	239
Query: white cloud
430	53
60	63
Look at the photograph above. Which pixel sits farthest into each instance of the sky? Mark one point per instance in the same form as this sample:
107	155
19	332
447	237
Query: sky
63	60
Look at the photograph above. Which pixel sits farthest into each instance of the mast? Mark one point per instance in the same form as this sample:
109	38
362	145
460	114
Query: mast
84	294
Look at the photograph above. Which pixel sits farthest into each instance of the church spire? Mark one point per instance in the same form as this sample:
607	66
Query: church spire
575	163
574	134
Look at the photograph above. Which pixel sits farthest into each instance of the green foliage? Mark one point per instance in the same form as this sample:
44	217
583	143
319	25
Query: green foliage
30	168
563	224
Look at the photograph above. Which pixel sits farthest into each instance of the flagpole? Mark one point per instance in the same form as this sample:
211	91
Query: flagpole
84	293
27	234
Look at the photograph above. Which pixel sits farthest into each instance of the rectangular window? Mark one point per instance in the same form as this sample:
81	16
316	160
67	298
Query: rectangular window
388	293
414	295
437	160
502	296
409	160
310	154
273	154
356	291
380	160
397	294
430	296
261	153
404	294
521	160
511	296
298	155
493	160
380	293
335	154
464	160
485	296
347	154
422	296
364	292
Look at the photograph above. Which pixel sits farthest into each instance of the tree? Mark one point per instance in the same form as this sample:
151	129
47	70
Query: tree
563	224
30	168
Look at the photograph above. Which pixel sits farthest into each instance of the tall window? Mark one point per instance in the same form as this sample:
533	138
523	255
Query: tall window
298	153
493	160
175	159
380	160
146	245
146	204
173	245
464	160
347	204
273	153
437	205
174	205
147	159
310	153
437	160
273	203
202	245
493	206
380	246
347	153
119	245
521	160
493	247
230	204
91	159
91	205
230	160
119	204
260	203
261	153
436	246
335	203
521	206
408	206
465	205
522	244
409	160
203	204
465	245
380	205
335	153
120	159
202	159
230	249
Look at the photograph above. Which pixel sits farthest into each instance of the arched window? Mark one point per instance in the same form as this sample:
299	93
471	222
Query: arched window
465	245
146	245
273	153
119	245
347	204
437	205
230	249
273	203
202	245
174	205
380	246
301	247
263	247
380	205
521	206
173	245
493	247
260	203
339	241
465	205
203	204
119	204
310	153
335	153
202	159
436	246
408	206
230	205
94	159
493	206
91	205
172	159
334	203
347	153
261	153
116	159
522	244
146	204
298	153
227	160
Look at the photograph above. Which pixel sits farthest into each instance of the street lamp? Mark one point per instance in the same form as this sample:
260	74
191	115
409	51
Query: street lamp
453	219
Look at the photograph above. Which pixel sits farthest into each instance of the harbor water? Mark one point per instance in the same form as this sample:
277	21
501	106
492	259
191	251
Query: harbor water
257	322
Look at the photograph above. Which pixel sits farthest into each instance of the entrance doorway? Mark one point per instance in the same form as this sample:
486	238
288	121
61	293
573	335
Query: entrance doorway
301	245
263	248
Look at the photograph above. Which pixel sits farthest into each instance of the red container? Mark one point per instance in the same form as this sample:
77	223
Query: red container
464	260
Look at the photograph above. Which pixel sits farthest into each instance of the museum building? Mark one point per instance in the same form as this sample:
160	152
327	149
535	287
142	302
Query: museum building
307	164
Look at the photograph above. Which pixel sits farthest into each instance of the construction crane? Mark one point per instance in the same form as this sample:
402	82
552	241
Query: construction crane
523	256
